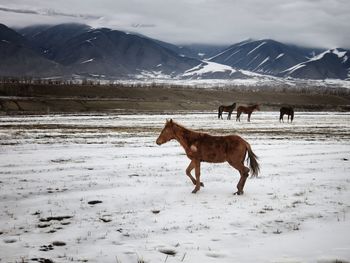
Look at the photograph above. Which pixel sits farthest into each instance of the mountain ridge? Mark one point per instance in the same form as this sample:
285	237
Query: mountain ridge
67	50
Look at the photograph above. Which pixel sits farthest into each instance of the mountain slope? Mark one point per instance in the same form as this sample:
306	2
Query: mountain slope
332	64
17	58
262	56
102	51
202	51
48	39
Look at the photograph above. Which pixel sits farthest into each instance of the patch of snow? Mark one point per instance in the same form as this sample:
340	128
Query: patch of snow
335	51
294	68
234	53
201	54
87	61
91	39
339	53
251	61
263	43
319	56
279	56
229	48
5	41
265	60
152	75
208	67
245	42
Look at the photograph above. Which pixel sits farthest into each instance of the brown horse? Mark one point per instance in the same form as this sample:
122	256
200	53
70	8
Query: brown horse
202	147
228	109
247	110
287	110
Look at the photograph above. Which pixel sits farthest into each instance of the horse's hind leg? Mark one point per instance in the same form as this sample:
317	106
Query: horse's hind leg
244	172
219	112
190	167
238	118
197	166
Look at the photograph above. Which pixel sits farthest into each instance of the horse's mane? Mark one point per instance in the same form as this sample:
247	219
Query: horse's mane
181	126
187	129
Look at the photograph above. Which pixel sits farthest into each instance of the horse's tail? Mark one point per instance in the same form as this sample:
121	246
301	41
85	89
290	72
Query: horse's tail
253	161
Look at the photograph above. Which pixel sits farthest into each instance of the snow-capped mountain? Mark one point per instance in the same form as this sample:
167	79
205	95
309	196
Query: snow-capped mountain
262	56
86	51
68	50
333	64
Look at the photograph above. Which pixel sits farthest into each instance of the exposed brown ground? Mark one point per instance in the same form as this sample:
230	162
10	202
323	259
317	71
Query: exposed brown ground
36	98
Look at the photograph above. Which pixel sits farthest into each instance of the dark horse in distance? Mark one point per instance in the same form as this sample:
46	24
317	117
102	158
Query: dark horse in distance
247	110
202	147
287	110
228	109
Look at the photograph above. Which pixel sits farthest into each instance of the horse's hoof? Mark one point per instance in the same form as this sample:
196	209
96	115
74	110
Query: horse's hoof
202	184
194	191
238	193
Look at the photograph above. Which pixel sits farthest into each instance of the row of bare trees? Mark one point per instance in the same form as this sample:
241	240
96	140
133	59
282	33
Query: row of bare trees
303	89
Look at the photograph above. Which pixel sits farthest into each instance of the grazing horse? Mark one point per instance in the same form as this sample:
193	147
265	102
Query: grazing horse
287	110
247	110
202	147
228	109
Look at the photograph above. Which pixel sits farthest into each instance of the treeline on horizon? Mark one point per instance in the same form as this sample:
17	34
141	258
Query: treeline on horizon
13	85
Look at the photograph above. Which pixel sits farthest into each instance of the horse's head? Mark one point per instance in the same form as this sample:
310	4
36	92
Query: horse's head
167	133
256	107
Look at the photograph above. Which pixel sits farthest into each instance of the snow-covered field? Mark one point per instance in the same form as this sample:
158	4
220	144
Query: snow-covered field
52	167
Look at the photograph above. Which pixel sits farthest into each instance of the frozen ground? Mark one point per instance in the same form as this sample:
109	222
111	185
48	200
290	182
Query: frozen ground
51	167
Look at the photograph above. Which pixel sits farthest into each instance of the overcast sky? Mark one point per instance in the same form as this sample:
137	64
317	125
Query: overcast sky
319	23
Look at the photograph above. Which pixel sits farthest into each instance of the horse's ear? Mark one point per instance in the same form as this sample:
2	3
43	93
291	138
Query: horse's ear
171	121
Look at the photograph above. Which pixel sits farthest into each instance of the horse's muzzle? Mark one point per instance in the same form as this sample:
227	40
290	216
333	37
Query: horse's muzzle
158	142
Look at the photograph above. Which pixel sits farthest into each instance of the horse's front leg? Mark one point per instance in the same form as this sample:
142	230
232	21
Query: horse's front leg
249	117
229	116
190	167
197	167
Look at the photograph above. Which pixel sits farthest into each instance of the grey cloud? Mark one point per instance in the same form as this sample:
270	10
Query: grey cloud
20	11
48	12
320	23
